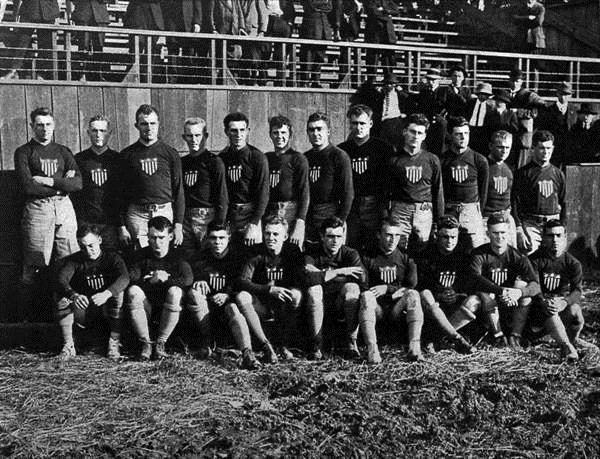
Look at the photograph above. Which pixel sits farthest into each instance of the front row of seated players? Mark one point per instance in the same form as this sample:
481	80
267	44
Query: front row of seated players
444	287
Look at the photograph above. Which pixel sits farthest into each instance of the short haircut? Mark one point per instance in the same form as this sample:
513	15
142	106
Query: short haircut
501	135
86	229
447	222
99	118
160	223
275	220
456	121
359	109
194	121
331	222
554	223
233	117
541	136
40	111
318	116
278	121
389	221
145	109
419	119
217	226
497	219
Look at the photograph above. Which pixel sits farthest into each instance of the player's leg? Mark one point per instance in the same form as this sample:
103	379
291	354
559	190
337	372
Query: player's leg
491	313
290	319
169	317
553	325
198	307
65	239
403	214
349	298
519	318
239	329
421	226
113	312
139	310
250	307
315	310
66	319
410	303
368	314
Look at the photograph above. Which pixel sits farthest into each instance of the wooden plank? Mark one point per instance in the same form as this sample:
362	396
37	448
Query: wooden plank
219	108
297	115
336	109
258	114
196	104
13	123
91	103
112	109
172	115
65	104
36	96
135	98
239	101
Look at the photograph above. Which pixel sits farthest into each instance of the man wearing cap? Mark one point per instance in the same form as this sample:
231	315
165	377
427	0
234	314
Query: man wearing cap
456	96
394	105
556	118
379	28
583	143
429	102
479	111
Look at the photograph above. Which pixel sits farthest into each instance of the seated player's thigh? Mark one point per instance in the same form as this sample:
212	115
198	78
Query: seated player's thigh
264	305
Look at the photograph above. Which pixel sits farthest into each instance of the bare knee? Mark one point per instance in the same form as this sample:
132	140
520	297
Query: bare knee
135	296
314	295
350	291
296	298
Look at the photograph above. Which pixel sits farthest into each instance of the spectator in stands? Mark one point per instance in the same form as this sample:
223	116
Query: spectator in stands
380	29
503	119
255	25
583	145
349	17
392	107
533	19
479	111
226	17
280	24
90	61
144	14
456	96
41	12
428	101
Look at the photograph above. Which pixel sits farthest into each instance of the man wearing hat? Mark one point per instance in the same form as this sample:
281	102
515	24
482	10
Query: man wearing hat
556	119
501	118
456	96
583	140
478	113
429	102
394	107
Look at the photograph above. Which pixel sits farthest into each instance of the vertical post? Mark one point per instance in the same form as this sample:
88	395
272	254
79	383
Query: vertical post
213	62
418	66
409	67
348	52
527	68
578	80
475	68
224	61
358	53
294	66
68	53
149	51
283	66
466	66
136	57
571	72
54	55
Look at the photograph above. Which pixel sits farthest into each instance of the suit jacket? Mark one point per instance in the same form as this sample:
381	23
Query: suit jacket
255	16
39	11
138	11
379	26
316	17
349	28
289	12
456	104
506	121
181	15
583	145
90	12
224	18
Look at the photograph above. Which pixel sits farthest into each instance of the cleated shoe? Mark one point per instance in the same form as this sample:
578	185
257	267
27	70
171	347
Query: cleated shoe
352	351
500	341
286	354
568	352
584	346
145	351
514	341
112	350
315	354
67	352
159	351
373	355
462	346
414	351
429	348
269	355
249	361
205	353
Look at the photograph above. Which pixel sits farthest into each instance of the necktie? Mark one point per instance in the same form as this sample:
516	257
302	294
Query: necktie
477	123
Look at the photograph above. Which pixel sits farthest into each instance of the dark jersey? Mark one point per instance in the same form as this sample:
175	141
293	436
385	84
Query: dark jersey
465	177
438	271
330	178
98	200
490	273
346	257
153	176
219	273
52	160
499	188
395	270
204	183
559	275
288	179
539	191
247	178
416	178
87	277
144	263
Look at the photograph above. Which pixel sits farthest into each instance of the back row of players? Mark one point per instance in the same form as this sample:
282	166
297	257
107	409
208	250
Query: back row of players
343	193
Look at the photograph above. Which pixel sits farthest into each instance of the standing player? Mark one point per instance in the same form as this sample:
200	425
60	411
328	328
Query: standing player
503	277
91	284
204	185
247	180
329	175
391	296
335	277
269	284
369	157
465	175
98	202
159	277
288	179
539	193
154	183
415	184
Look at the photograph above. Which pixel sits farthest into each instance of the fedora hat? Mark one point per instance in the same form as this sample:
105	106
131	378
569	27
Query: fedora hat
516	74
503	96
484	88
565	88
586	109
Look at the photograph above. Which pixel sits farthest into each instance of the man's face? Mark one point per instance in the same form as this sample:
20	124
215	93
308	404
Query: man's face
500	149
460	137
90	245
432	83
556	240
562	97
43	128
482	96
218	241
147	126
280	136
389	238
318	133
500	105
194	137
447	239
237	133
586	118
457	78
498	237
360	126
333	239
274	237
159	241
515	83
98	133
414	134
542	152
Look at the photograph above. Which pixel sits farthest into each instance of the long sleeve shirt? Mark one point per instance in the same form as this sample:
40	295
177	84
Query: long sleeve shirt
465	177
220	273
321	260
499	188
559	276
52	160
288	179
439	271
144	263
395	270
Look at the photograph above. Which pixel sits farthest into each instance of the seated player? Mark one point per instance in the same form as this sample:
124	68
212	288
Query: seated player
443	283
335	277
91	284
392	279
504	280
557	308
159	276
269	284
215	272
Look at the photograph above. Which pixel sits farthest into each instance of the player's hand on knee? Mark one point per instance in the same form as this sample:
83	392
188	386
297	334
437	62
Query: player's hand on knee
350	271
280	293
220	299
101	297
378	290
556	305
447	296
80	301
202	287
510	296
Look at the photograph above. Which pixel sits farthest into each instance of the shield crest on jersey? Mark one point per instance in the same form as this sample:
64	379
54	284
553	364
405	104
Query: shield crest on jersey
460	173
546	187
414	173
95	281
49	166
234	172
149	165
499	276
99	176
190	178
216	282
551	281
360	165
274	178
274	273
387	274
314	173
500	184
447	278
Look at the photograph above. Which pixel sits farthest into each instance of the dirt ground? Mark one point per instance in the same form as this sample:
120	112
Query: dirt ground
495	403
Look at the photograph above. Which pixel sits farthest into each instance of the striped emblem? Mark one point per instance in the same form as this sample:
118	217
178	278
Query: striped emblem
551	281
500	184
360	165
314	173
414	173
99	176
190	178
499	275
95	281
149	165
274	273
49	166
460	173
216	282
447	278
234	172
274	178
387	274
546	187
